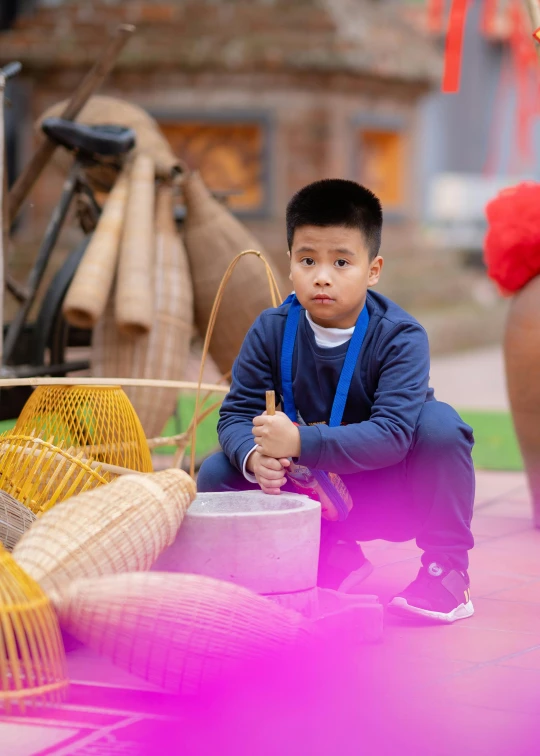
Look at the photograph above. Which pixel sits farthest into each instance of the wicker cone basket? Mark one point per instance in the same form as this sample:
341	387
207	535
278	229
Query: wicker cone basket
15	519
32	659
97	421
103	110
165	351
181	632
89	291
40	474
213	237
134	285
122	527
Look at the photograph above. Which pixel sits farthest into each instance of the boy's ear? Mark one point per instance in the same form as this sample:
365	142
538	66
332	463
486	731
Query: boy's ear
375	268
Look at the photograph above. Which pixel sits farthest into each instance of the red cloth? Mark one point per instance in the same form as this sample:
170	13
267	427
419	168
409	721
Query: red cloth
512	243
454	45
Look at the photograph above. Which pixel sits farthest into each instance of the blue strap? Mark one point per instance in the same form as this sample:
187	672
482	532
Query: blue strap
287	350
347	371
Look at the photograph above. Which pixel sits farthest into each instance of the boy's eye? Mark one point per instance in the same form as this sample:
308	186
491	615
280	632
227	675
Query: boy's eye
308	261
341	263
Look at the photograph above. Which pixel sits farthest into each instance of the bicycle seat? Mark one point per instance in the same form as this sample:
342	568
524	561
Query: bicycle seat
106	140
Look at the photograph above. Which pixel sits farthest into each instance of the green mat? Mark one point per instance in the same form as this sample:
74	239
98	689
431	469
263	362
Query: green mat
496	445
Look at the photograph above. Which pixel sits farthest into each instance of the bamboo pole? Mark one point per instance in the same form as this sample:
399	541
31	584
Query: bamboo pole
91	82
88	381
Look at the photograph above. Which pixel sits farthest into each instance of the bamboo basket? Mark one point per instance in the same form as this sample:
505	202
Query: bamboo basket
89	291
103	110
15	519
164	352
39	474
122	527
98	421
32	659
181	632
135	279
213	237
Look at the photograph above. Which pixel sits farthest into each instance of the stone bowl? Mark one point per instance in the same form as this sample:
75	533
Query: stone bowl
269	544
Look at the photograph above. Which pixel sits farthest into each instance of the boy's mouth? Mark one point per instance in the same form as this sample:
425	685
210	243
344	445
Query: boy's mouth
323	298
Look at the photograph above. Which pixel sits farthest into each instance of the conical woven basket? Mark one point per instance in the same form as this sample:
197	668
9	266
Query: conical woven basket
40	474
181	632
89	291
134	296
213	237
165	351
122	527
103	110
15	519
97	420
32	659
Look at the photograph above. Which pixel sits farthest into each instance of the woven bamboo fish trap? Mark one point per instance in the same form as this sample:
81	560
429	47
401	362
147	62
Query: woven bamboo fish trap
98	421
32	659
89	291
164	352
213	237
134	299
122	527
15	519
181	632
103	110
39	473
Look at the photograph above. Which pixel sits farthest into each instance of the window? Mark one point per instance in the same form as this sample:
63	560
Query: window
380	161
231	156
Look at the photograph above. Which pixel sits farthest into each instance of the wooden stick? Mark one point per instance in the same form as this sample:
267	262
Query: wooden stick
91	82
88	381
270	403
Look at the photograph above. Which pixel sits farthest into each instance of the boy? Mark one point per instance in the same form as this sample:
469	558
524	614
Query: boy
404	457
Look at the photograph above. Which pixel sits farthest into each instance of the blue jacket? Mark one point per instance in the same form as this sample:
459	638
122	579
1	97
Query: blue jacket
388	389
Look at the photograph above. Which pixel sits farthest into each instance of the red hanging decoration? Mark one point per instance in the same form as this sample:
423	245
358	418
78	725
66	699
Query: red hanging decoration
512	243
526	81
435	16
489	16
454	45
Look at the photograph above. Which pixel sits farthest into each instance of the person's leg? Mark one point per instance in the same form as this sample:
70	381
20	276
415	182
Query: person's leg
217	474
441	482
429	496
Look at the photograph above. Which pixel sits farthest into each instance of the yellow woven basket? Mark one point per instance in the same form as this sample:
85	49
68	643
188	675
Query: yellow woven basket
32	659
97	421
39	474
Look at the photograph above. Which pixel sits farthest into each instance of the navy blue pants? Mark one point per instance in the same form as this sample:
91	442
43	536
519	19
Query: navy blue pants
429	496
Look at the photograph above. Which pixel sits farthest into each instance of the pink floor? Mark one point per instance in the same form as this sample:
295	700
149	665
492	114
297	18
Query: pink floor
470	688
473	687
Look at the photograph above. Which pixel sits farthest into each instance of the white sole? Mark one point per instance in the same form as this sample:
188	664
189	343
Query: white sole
400	606
356	578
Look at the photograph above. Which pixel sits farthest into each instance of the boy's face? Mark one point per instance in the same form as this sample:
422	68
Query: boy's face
331	272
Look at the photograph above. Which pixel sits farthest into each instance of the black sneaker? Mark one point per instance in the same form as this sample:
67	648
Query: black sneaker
343	567
437	594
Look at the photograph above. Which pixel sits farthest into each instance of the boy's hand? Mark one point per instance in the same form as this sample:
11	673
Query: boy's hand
276	436
270	472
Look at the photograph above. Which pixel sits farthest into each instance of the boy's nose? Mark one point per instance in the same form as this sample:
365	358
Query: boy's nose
323	277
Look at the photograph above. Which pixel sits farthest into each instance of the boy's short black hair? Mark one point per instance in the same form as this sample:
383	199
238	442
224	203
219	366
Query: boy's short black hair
337	202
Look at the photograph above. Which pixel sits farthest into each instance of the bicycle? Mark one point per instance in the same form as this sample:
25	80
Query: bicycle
26	345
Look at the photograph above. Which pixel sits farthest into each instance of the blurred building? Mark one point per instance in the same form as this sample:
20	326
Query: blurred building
264	96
